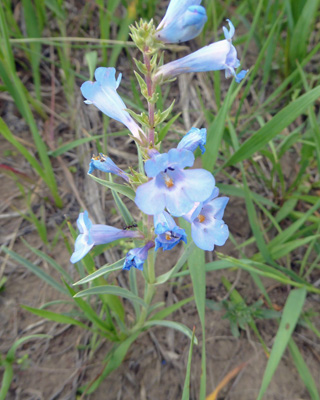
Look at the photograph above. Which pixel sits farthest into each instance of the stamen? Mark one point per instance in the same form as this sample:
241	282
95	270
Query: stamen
168	181
201	218
168	236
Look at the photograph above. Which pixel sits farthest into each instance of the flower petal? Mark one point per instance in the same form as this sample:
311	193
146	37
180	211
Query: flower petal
217	207
199	184
81	248
192	139
104	96
105	164
205	236
184	26
150	198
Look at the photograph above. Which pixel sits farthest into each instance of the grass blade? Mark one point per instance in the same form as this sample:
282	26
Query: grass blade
173	325
101	271
36	270
52	316
290	316
125	190
303	370
108	289
272	128
186	386
197	268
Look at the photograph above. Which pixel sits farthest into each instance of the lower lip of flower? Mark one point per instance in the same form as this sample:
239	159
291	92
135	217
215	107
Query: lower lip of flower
201	218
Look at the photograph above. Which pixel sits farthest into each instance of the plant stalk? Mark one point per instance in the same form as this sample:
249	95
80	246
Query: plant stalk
150	88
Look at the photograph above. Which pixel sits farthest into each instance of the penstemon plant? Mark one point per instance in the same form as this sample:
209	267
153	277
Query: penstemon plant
167	186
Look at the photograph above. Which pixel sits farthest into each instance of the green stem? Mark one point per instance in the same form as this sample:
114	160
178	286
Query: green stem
149	291
150	88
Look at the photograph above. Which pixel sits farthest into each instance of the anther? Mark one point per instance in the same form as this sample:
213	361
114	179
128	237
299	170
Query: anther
201	218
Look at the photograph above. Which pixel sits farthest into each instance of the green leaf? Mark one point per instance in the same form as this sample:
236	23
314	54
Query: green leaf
8	135
290	316
52	316
12	352
162	116
8	371
197	268
114	360
89	312
142	84
301	32
303	370
173	325
49	260
186	386
163	132
274	127
108	289
182	260
123	210
164	313
125	190
71	145
293	228
106	269
36	270
91	58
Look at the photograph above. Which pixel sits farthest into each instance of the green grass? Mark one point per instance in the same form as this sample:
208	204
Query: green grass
270	119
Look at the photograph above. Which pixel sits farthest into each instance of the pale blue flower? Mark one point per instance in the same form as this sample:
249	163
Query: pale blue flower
92	234
169	233
217	56
194	138
103	94
183	21
207	227
136	257
105	164
171	186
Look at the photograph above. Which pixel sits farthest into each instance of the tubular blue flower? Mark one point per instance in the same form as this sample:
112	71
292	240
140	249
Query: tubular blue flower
91	235
217	56
136	257
169	233
183	21
194	138
207	227
105	164
103	94
171	186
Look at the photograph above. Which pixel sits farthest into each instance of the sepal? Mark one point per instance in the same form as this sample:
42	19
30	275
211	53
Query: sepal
142	118
162	116
142	84
143	35
141	66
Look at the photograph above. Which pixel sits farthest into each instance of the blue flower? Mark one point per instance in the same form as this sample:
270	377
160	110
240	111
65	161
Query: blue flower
217	56
183	21
171	186
194	138
169	233
207	227
91	235
136	257
103	94
105	164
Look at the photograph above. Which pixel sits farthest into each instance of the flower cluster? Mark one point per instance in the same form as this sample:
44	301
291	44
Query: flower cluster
170	187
